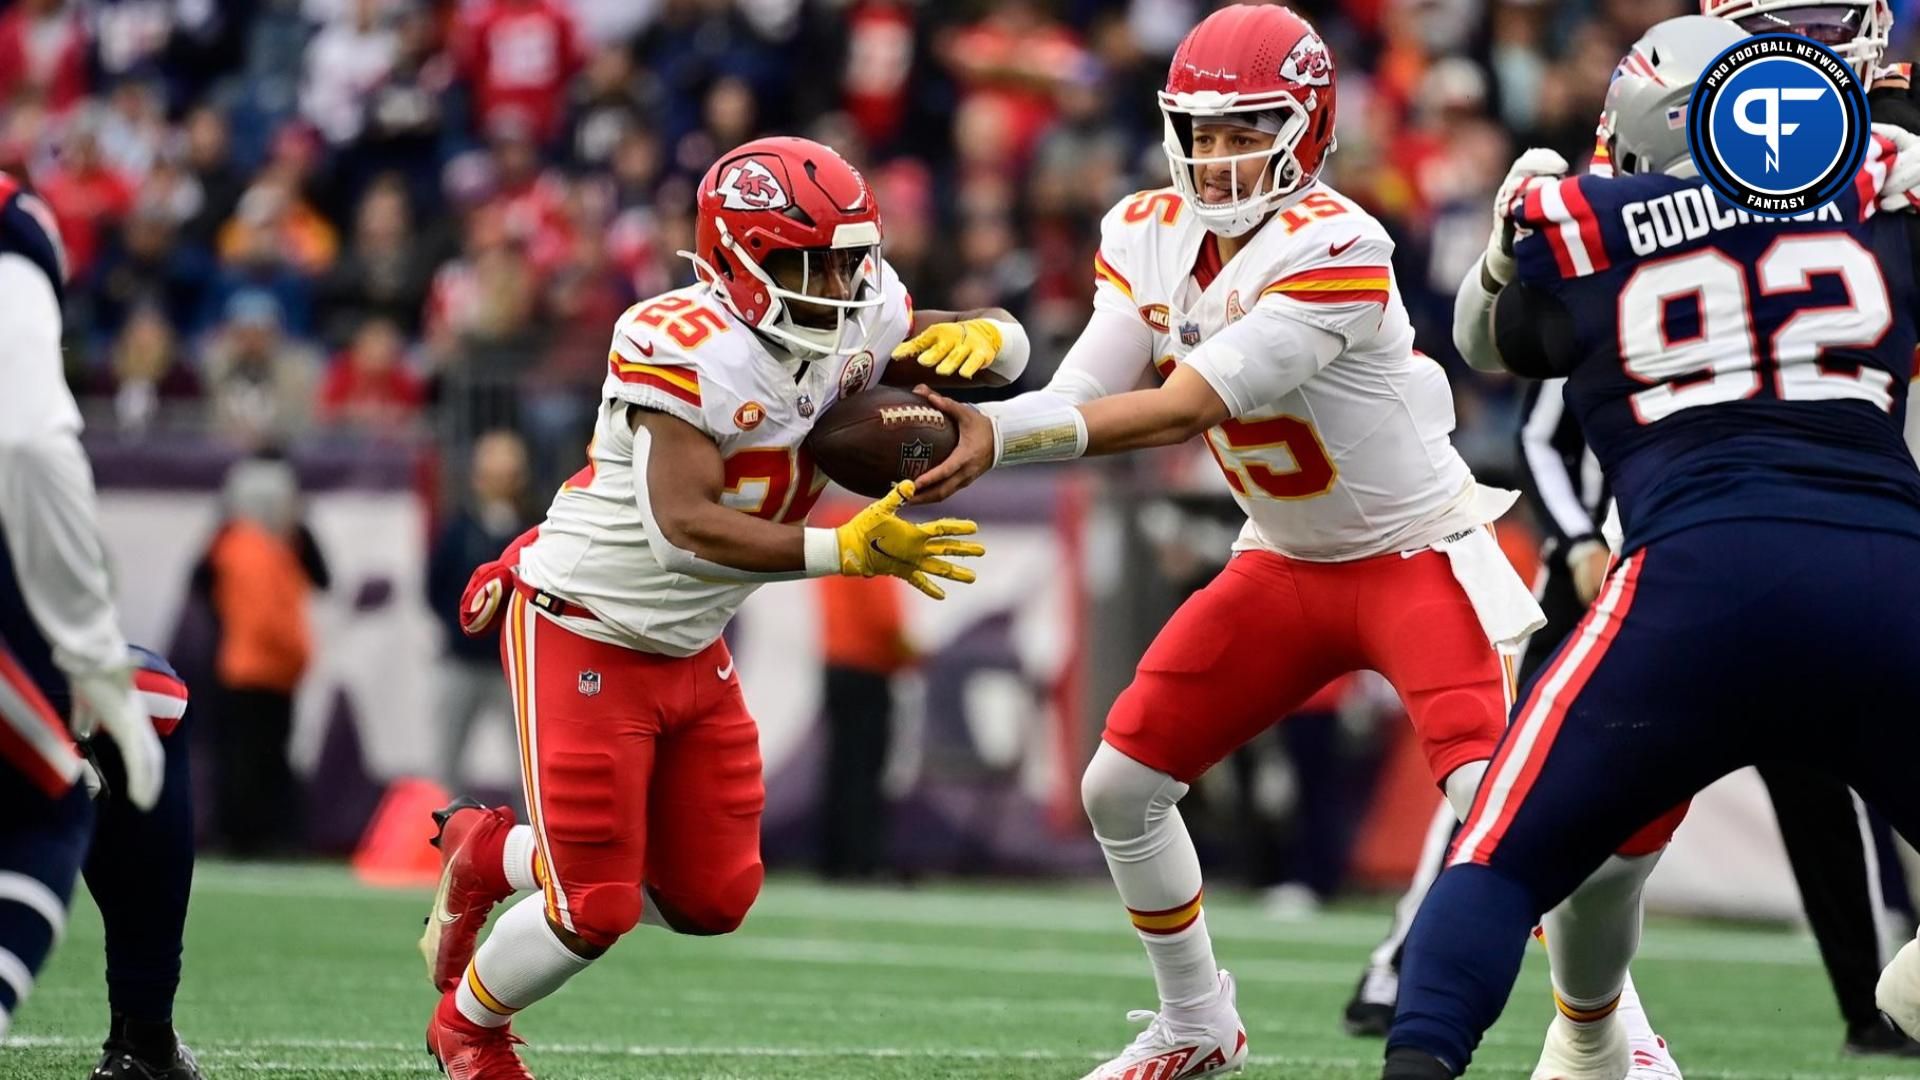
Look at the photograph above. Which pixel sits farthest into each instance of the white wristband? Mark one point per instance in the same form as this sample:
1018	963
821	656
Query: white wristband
1015	349
823	552
1037	427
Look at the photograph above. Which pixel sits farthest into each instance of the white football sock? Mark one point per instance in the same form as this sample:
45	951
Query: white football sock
1593	935
521	962
518	858
1461	785
1157	871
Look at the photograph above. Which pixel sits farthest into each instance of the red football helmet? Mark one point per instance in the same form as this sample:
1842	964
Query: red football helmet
1259	66
1856	29
788	237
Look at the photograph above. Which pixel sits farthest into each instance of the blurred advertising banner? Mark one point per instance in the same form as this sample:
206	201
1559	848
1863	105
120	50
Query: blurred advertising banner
989	737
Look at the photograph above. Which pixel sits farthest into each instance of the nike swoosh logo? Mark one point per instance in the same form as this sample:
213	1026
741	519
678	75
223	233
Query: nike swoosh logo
440	913
1334	250
725	673
643	348
880	551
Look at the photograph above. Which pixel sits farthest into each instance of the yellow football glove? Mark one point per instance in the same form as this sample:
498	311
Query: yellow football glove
954	347
879	541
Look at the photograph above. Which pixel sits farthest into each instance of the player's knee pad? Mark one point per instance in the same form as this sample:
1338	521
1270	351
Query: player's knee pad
580	797
1458	724
716	911
603	914
1125	799
1461	785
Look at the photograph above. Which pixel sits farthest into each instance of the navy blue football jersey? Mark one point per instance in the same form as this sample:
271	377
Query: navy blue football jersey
27	228
1726	366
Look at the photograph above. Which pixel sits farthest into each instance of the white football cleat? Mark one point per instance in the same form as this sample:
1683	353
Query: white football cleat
1652	1059
1175	1049
1592	1051
1898	992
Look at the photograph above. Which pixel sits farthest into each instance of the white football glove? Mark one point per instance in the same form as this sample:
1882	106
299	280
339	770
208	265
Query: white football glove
105	701
1535	163
1903	174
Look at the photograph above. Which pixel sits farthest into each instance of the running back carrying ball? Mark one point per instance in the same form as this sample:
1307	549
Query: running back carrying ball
870	441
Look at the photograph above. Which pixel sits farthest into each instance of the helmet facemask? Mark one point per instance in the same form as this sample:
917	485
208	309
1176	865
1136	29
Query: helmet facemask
1856	29
813	290
1282	177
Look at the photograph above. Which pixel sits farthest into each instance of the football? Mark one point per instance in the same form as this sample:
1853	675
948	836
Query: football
870	441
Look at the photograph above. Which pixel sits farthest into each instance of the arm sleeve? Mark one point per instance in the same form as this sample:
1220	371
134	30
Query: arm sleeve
47	500
1109	357
678	559
1554	490
53	534
1473	322
1263	357
1533	332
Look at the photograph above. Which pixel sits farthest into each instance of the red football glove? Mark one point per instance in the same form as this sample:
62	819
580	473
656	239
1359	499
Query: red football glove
487	589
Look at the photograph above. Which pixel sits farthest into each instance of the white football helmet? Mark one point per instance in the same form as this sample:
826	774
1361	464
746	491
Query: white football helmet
1856	29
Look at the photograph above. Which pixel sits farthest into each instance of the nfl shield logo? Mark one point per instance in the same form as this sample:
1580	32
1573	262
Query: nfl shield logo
589	683
915	456
806	404
1189	334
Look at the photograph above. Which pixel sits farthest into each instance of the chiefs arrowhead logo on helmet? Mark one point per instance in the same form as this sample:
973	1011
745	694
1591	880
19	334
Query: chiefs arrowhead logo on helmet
1309	64
750	185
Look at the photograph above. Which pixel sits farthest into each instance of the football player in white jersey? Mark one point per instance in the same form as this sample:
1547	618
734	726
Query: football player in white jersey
1257	306
641	764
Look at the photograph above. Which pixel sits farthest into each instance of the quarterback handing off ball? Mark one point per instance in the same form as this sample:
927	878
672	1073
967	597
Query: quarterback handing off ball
870	441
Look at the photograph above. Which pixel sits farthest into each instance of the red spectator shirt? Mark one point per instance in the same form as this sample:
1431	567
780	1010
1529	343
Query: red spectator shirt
84	203
57	63
879	63
1026	105
518	55
351	392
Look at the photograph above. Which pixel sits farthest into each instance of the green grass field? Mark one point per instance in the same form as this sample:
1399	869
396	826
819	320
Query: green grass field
298	971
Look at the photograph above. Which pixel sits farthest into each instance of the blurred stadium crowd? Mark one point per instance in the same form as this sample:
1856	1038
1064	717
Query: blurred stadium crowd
417	219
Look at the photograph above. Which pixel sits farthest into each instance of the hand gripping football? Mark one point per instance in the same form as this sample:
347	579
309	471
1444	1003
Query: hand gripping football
870	441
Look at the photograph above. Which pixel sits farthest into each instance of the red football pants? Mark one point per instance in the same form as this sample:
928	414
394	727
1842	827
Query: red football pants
639	770
1269	631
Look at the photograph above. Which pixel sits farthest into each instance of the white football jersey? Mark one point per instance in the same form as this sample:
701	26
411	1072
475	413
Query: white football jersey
683	354
1356	460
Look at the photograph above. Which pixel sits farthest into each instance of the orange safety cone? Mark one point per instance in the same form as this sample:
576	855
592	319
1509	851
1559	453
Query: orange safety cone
396	851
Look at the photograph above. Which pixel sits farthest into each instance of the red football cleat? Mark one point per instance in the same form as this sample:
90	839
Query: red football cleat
472	840
467	1051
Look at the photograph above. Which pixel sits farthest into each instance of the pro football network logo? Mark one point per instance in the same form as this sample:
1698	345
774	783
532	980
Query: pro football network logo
1778	125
